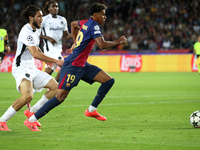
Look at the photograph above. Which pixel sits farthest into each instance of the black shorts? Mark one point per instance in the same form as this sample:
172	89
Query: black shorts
2	55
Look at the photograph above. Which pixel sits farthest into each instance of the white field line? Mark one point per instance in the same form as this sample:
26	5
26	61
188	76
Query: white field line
136	103
115	97
128	96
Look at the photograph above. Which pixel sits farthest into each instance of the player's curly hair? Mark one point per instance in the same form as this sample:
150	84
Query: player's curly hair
47	5
96	7
31	10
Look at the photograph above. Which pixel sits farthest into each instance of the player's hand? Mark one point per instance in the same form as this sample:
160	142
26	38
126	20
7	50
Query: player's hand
8	48
59	62
50	65
69	51
52	40
122	40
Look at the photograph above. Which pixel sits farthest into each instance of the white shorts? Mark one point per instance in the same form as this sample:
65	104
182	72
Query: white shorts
38	78
55	55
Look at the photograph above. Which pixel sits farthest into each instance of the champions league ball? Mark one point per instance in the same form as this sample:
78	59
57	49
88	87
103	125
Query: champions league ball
195	119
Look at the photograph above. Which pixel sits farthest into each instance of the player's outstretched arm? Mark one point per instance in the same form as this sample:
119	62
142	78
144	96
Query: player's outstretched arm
38	55
102	44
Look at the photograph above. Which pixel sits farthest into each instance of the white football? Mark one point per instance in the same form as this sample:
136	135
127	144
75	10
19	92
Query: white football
195	119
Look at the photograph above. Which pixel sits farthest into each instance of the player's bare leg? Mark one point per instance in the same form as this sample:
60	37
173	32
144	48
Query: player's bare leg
102	77
47	70
27	94
58	76
26	90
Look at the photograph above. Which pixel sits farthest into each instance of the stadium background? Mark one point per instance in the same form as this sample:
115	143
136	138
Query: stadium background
158	41
145	110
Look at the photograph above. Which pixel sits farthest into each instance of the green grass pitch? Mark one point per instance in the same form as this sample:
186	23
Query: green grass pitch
145	111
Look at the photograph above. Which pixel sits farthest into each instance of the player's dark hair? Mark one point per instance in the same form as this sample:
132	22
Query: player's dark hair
96	7
31	10
47	5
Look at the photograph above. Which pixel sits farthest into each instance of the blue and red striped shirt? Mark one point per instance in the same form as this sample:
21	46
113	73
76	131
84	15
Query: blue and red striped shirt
85	40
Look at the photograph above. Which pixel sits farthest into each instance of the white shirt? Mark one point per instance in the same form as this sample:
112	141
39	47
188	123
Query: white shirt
27	37
53	27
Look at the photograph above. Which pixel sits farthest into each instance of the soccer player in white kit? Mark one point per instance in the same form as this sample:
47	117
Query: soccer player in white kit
27	76
54	28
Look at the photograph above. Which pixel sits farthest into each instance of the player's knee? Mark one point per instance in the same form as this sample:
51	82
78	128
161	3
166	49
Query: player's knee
55	86
52	85
109	83
105	87
112	81
27	98
61	95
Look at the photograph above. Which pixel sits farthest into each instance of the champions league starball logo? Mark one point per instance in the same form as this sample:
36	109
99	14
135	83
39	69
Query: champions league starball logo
29	38
96	27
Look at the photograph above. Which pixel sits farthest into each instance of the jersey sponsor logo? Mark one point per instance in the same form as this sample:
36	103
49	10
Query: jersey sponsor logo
29	38
130	63
97	32
96	27
56	29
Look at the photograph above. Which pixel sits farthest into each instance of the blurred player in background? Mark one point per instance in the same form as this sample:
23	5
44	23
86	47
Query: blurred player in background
54	27
85	33
26	74
4	43
197	53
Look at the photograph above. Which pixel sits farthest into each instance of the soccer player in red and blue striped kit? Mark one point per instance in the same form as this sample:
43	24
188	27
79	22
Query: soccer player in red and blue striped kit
75	68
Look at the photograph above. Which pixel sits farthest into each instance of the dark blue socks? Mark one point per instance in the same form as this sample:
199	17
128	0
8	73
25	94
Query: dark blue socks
47	107
103	90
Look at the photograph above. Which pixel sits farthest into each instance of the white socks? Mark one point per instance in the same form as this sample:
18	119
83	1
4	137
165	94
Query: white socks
92	108
34	91
32	118
11	111
8	114
39	104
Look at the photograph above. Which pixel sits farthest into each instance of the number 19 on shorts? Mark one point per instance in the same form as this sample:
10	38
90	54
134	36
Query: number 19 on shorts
70	79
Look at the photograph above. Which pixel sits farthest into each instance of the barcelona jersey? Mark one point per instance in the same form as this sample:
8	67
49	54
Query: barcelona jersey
85	40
